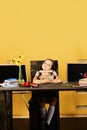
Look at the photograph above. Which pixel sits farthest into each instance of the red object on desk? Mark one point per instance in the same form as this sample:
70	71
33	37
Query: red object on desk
29	84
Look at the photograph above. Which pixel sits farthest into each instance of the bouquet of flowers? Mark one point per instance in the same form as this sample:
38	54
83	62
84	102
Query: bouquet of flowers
18	62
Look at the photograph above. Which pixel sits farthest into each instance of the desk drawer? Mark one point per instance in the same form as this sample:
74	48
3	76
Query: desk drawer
73	103
67	102
81	104
81	98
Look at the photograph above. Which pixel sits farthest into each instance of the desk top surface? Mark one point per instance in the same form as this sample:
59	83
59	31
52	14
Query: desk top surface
71	86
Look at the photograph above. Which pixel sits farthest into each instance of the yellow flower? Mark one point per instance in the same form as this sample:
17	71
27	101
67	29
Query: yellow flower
18	61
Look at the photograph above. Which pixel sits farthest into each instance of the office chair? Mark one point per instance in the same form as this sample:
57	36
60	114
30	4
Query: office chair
36	121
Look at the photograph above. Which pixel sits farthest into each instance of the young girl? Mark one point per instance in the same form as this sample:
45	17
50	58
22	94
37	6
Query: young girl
47	75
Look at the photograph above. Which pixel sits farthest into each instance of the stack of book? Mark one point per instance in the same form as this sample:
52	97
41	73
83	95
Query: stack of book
11	82
83	82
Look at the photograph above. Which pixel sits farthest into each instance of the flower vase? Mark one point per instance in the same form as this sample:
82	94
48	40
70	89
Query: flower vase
20	79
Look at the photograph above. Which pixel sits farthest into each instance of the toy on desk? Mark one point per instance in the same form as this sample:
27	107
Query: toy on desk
29	84
84	75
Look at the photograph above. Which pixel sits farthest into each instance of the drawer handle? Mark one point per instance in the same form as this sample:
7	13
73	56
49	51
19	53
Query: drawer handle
81	106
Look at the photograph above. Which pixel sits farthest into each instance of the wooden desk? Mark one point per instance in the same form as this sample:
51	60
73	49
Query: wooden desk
46	87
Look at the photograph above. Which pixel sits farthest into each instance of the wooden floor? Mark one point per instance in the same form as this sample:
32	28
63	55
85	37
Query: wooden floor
21	124
65	124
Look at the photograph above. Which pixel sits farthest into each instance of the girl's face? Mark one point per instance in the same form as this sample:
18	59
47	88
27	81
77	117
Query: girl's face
47	65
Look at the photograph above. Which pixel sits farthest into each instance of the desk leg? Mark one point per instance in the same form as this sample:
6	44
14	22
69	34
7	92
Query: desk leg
58	114
2	112
56	118
8	104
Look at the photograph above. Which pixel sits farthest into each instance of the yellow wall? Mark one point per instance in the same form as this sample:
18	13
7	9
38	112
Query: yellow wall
39	29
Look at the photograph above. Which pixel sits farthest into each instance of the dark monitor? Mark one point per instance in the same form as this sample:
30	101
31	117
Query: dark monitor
75	71
11	71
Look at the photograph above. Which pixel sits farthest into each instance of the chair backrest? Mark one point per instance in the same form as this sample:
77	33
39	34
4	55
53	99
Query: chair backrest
35	65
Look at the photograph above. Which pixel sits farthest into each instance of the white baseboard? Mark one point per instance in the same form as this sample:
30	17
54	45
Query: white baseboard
20	117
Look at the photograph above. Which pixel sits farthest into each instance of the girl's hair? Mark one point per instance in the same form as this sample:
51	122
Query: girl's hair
49	59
